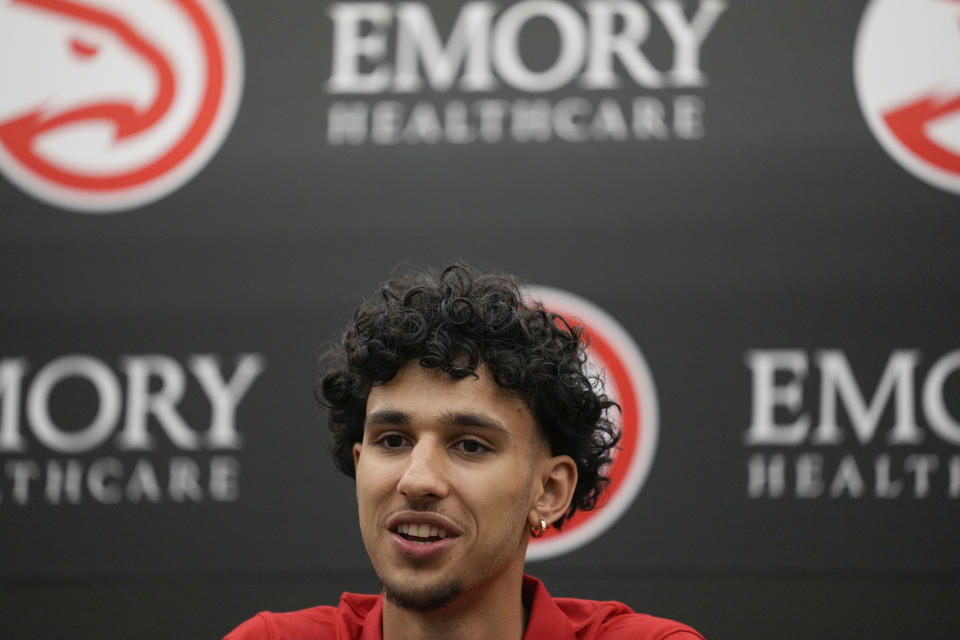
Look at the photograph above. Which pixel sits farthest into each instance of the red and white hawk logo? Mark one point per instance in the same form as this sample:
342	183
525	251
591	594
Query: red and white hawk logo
615	357
110	104
907	73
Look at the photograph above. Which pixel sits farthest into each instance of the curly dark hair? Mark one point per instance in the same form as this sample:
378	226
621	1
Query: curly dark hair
454	321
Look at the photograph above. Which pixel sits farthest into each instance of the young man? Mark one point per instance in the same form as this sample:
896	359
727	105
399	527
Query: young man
466	417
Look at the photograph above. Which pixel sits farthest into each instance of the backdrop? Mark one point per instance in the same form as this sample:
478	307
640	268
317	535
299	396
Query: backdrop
752	205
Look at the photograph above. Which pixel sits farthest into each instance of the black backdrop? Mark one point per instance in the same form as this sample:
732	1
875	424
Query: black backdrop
779	224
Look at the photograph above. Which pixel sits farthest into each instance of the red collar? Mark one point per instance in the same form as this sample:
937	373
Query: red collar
547	621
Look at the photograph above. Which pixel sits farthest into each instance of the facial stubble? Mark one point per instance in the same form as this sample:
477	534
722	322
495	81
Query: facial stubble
424	600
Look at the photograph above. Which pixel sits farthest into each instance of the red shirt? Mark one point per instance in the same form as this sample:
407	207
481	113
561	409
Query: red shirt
358	618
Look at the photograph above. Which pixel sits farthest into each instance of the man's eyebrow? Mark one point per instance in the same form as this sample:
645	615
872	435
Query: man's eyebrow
452	418
470	419
388	416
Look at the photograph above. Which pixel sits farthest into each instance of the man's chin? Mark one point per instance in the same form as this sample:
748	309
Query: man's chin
423	599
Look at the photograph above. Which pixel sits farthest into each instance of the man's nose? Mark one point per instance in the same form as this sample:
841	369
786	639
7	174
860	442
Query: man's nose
425	473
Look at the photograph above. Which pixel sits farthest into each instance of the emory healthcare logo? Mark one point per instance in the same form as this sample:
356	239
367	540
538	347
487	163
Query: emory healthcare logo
617	70
627	380
111	104
907	74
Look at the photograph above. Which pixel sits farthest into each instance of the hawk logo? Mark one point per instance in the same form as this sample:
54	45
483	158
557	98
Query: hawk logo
627	380
110	104
907	73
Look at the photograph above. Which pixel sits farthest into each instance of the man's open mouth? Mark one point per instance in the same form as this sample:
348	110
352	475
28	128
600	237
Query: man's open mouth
420	533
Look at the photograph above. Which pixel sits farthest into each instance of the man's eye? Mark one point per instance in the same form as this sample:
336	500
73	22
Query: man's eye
472	446
391	441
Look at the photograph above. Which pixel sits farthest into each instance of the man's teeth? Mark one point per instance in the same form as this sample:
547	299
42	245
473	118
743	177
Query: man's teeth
421	531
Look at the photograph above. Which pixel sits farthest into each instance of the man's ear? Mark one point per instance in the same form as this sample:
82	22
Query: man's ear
558	479
356	454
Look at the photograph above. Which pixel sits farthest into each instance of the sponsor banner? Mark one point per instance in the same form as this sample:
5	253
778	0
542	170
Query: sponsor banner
762	195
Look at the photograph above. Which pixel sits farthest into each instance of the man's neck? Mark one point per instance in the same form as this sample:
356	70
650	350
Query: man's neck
493	611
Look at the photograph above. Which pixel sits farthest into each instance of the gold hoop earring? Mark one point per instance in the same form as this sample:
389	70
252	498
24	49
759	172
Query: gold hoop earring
538	533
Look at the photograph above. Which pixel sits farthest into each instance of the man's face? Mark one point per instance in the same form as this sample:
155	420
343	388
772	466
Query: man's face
446	479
